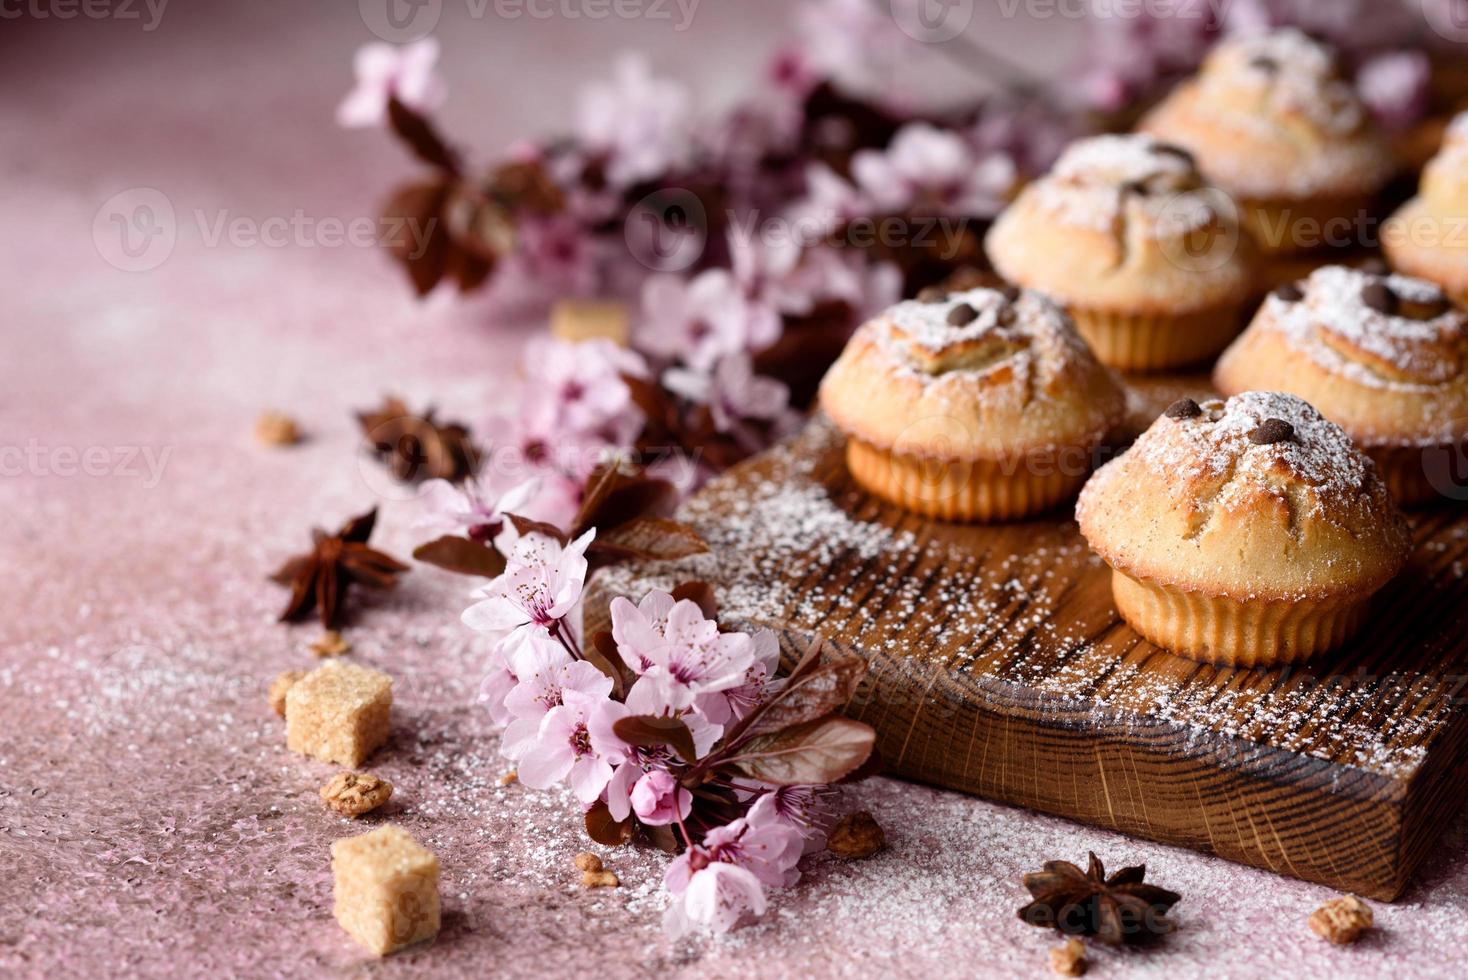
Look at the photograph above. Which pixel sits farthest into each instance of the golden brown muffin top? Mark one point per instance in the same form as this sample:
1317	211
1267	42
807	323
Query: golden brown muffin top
1444	184
1384	356
1125	223
1381	331
1271	116
982	373
1256	497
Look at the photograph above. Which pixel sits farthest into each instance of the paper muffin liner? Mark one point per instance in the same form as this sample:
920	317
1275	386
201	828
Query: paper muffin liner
1235	633
1417	476
1156	341
1284	227
960	490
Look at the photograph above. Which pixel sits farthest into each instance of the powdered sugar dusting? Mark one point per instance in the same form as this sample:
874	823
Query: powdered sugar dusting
784	545
1340	332
1217	444
1096	180
1292	74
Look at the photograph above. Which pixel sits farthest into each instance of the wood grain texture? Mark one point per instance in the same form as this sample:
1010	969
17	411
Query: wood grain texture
998	666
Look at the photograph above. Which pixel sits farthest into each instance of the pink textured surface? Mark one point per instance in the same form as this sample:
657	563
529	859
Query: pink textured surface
151	821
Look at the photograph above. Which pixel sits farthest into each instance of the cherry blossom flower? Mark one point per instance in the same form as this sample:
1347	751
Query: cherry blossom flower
544	672
1395	87
496	684
471	509
639	761
540	586
579	388
565	749
933	171
723	707
555	256
830	202
694	658
718	883
732	392
640	629
658	798
699	320
808	810
642	125
384	71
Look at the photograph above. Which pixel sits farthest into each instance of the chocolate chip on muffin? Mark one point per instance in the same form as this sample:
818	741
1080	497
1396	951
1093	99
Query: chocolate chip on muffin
1183	408
1271	431
1378	296
962	315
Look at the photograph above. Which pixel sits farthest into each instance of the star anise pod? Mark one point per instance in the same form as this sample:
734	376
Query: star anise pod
319	580
418	447
1116	910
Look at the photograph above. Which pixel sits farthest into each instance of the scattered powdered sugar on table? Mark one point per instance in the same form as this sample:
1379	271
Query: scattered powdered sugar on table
772	538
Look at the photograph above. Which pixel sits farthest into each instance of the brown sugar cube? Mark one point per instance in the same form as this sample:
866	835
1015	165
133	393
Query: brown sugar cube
386	889
338	713
575	320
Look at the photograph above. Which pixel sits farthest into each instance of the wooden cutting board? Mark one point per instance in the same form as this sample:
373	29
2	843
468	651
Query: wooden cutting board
999	667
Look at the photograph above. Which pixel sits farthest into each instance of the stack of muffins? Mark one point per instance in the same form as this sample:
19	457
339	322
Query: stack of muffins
1247	530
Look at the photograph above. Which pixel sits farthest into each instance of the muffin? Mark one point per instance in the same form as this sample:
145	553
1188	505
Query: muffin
1273	122
1146	257
1385	357
1249	532
980	405
1428	236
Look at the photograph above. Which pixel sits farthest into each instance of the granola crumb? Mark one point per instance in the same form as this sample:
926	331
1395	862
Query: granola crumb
1342	921
588	862
355	793
858	835
599	879
279	686
1069	960
330	644
509	777
276	429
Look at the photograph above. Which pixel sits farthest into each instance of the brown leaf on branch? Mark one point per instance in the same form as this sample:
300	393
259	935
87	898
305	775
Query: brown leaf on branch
700	594
320	579
625	505
416	130
461	555
439	229
418	447
525	184
647	539
813	695
649	732
821	751
601	828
